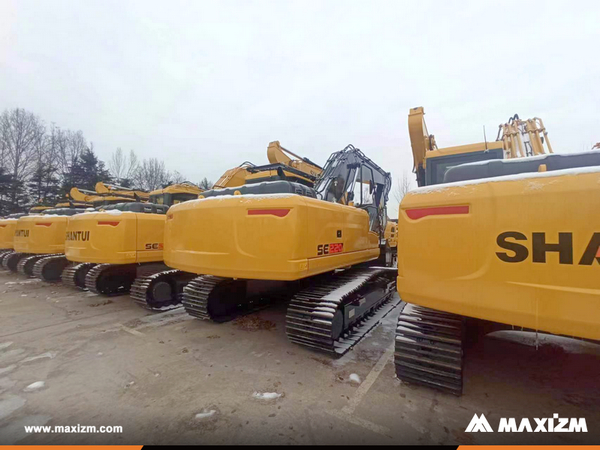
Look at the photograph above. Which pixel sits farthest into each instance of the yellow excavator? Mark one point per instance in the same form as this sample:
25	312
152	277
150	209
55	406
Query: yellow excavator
498	235
112	246
8	225
39	239
164	289
391	240
314	246
121	249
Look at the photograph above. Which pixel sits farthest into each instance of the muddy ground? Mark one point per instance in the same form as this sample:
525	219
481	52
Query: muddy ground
69	357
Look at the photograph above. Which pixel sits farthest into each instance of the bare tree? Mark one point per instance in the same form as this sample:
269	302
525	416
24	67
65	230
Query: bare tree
403	185
151	174
123	167
20	134
71	145
175	177
44	181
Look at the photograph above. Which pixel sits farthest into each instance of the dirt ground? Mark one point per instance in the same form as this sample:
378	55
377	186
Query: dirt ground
69	357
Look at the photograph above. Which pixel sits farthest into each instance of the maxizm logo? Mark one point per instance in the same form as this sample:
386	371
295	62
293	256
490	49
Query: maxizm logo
554	424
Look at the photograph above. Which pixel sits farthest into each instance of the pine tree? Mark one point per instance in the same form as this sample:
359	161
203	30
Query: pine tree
86	172
44	186
6	182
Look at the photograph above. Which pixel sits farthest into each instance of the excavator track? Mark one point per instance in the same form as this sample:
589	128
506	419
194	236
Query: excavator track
336	312
429	348
50	268
221	299
4	256
110	279
74	275
25	265
160	291
12	260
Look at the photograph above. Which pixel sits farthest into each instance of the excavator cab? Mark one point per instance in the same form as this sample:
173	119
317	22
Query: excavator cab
351	178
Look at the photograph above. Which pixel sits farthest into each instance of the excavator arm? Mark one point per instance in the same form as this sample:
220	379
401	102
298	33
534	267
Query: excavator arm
112	189
421	141
284	165
279	155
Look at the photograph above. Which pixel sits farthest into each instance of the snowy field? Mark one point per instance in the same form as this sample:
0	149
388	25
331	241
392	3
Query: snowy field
69	358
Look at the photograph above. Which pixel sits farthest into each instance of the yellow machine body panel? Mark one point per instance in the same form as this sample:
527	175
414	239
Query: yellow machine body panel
461	149
391	233
115	237
40	234
273	237
7	233
519	250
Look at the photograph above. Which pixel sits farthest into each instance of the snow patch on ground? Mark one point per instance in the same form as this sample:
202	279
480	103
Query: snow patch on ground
50	355
35	386
354	378
35	280
3	345
266	395
205	414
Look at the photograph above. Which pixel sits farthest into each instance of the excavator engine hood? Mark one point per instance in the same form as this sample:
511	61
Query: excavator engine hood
7	233
275	236
40	234
115	237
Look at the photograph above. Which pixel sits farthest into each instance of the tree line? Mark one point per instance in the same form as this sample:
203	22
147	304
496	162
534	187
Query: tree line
40	163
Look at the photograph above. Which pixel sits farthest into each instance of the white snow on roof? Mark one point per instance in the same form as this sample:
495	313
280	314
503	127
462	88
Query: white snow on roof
245	198
528	158
516	177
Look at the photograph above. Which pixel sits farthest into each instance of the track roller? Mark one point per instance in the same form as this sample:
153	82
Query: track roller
74	275
160	290
429	348
222	299
4	256
12	260
50	268
338	309
25	265
111	279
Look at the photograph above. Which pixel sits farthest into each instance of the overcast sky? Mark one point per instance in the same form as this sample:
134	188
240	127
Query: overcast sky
206	85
